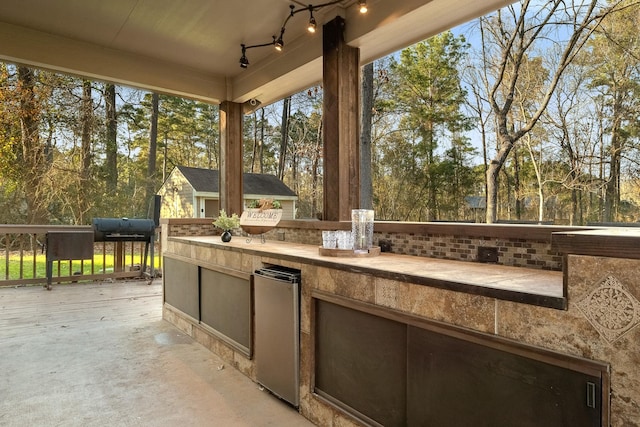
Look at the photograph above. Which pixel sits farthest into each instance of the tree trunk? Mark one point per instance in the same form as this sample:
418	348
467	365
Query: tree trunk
165	164
87	122
492	192
254	153
493	172
85	171
153	147
261	148
517	192
574	207
284	131
33	159
366	182
612	195
111	139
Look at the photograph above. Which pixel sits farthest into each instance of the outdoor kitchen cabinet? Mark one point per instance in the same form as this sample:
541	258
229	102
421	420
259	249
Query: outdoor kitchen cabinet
392	370
510	309
454	381
181	286
361	363
225	306
216	298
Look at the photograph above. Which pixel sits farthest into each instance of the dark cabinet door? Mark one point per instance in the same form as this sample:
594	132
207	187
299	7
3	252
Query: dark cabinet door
361	362
225	305
394	373
181	287
454	382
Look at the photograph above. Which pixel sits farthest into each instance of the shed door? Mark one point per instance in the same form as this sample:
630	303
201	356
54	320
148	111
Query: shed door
211	208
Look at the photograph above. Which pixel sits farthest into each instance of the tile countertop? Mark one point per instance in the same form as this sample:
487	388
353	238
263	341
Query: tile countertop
619	242
529	286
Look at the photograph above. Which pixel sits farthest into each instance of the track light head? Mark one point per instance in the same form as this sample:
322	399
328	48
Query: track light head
244	62
362	4
312	22
279	43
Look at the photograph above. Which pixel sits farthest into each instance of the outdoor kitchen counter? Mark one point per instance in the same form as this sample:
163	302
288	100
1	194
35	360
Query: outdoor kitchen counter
530	286
386	310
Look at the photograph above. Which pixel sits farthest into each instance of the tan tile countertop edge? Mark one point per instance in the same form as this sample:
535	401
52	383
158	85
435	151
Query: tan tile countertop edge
619	242
529	286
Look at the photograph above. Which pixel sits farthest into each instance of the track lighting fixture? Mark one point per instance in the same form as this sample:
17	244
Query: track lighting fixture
362	4
244	62
312	21
278	43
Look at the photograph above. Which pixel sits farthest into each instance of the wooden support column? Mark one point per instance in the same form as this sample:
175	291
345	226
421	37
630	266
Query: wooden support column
230	174
341	92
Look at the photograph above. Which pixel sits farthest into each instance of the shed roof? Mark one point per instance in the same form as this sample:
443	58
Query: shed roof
476	202
208	180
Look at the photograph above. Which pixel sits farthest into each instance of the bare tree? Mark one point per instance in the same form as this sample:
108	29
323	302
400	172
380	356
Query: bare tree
513	33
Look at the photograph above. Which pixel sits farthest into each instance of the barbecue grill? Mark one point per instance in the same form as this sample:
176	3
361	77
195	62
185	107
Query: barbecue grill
131	230
126	230
123	230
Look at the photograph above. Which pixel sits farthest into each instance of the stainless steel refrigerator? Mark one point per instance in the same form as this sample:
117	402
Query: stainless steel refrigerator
277	331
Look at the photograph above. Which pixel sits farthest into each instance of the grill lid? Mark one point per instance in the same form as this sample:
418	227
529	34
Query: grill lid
123	229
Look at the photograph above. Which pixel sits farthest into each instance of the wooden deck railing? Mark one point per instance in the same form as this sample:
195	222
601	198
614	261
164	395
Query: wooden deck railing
23	258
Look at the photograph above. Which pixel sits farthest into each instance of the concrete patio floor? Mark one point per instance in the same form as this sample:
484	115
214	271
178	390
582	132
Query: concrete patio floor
99	354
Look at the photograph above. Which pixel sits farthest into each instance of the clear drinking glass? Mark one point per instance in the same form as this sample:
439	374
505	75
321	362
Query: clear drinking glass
362	229
344	239
328	239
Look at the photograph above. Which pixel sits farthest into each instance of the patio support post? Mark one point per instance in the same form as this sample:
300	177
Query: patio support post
230	179
341	101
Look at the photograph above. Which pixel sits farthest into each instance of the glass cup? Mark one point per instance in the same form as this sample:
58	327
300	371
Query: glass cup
344	239
328	239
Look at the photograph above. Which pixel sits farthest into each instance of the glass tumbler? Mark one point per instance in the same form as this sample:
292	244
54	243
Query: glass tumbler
344	239
328	239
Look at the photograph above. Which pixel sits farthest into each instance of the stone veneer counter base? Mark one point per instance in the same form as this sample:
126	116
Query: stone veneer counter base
529	286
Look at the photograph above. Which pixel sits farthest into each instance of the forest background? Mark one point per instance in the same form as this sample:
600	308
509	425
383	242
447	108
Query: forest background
529	114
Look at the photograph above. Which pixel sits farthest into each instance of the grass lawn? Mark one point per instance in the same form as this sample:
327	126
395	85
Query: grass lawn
63	268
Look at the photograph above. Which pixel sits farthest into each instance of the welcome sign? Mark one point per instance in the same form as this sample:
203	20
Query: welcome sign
256	221
270	217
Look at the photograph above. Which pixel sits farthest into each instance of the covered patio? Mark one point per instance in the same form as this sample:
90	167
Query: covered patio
99	354
538	302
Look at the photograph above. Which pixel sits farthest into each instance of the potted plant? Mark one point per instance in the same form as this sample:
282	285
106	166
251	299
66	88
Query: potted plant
226	224
264	204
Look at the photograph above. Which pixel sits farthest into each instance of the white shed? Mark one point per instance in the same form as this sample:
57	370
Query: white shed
195	193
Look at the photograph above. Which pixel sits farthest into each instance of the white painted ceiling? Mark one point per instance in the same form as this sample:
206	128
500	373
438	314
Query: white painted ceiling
192	47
